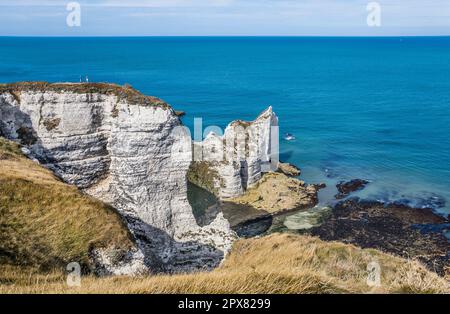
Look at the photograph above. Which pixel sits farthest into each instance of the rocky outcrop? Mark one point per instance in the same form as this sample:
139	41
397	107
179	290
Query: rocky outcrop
288	169
117	145
236	160
306	220
276	193
345	188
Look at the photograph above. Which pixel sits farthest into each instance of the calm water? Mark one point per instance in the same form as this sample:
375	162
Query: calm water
372	108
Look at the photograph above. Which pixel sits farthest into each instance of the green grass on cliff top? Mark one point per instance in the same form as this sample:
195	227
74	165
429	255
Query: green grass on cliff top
125	92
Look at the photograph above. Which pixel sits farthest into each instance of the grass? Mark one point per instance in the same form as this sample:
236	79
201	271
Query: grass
202	174
279	263
45	223
9	150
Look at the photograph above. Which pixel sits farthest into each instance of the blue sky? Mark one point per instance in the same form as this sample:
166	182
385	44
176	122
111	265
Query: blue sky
224	17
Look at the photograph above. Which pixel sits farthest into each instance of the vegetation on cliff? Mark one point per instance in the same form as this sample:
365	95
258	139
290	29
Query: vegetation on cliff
279	263
46	224
203	175
126	92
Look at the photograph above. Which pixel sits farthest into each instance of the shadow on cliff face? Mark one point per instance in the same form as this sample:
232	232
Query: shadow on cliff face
163	254
16	125
245	220
203	203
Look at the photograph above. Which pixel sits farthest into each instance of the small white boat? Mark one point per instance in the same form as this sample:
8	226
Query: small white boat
289	137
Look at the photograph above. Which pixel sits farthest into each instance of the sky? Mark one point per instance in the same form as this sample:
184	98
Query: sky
226	18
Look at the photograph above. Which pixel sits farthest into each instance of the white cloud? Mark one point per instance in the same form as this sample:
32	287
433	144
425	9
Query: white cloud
122	3
247	17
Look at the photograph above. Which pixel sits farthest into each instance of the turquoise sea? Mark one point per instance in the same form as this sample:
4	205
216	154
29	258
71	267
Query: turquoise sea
370	108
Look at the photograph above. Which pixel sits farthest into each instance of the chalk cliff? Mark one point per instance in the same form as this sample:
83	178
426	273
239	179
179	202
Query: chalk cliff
116	145
227	165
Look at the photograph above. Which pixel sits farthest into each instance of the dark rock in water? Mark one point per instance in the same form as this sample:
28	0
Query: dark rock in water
392	228
345	188
179	113
319	186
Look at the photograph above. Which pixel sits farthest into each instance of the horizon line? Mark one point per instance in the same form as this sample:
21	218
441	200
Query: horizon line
224	36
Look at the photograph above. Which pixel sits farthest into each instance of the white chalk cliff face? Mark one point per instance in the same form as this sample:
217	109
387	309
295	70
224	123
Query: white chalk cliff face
118	151
241	155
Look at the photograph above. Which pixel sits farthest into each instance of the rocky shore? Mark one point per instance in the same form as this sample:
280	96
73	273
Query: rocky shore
414	233
279	202
252	212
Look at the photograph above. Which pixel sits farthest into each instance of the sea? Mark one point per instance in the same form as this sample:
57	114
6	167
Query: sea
374	108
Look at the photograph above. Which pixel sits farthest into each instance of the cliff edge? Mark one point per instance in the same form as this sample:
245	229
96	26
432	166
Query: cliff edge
116	144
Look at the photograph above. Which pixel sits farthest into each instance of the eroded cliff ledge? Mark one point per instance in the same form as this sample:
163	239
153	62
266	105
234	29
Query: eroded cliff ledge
115	144
227	165
243	178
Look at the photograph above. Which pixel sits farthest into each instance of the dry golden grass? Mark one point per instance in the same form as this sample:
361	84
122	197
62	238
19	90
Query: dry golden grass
44	222
125	92
278	263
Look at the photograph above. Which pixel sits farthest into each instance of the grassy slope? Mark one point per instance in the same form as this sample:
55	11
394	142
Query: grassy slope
45	223
279	263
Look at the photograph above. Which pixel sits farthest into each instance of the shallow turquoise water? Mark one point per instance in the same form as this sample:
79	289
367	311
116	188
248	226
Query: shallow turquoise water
372	108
